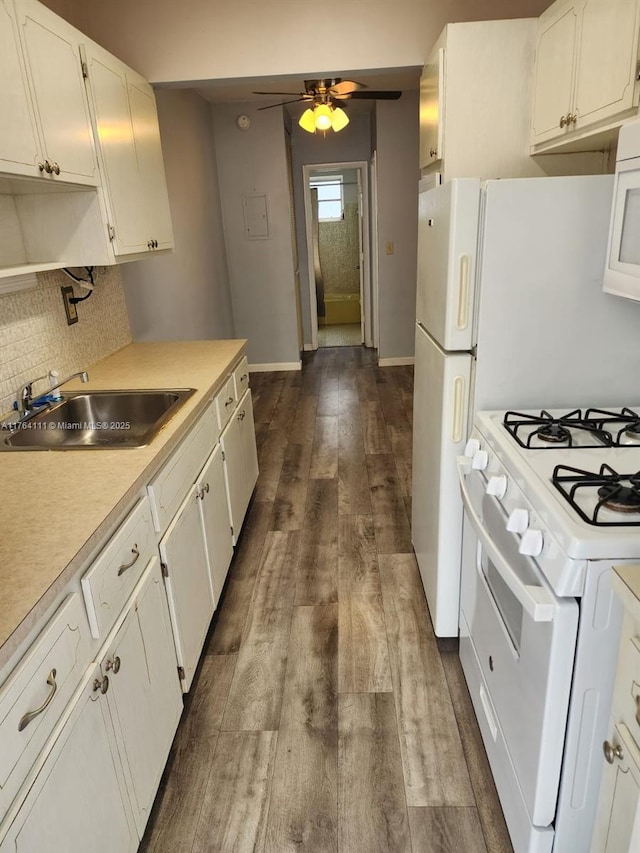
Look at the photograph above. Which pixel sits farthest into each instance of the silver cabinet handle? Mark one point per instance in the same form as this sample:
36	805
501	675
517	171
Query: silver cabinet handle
638	709
241	415
611	751
31	715
101	684
205	488
244	377
113	665
433	152
563	121
123	568
229	402
55	168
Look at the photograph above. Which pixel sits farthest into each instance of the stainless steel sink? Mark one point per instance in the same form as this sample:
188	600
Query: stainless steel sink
97	420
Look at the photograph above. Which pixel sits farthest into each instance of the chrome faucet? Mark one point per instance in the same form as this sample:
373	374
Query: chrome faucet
25	394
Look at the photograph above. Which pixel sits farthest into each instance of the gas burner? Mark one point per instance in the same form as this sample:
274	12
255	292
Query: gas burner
570	430
554	433
624	425
618	493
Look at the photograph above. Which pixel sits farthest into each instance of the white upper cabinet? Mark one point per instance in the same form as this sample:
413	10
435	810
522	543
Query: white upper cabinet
432	108
126	125
586	71
54	70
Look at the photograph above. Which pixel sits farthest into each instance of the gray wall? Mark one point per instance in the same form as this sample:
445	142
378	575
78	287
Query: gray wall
397	155
260	270
353	143
185	295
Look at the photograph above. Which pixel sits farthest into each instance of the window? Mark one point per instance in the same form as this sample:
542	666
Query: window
330	197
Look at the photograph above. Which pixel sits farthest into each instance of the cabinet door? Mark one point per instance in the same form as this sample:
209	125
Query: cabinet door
146	133
107	83
78	801
188	584
53	64
19	146
215	520
234	473
554	72
606	61
617	827
432	110
145	699
249	449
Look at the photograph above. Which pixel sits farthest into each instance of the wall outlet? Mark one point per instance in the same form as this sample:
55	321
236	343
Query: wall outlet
69	306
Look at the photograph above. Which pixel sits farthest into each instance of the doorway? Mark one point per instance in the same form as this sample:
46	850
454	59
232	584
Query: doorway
337	233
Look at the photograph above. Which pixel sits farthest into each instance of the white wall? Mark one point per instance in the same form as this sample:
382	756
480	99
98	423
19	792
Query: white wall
260	270
209	39
397	158
184	295
352	143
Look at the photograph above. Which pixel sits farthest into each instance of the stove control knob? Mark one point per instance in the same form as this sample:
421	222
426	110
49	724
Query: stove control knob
480	460
497	486
518	521
471	447
531	543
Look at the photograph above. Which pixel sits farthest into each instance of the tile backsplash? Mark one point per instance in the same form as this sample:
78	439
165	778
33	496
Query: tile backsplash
35	337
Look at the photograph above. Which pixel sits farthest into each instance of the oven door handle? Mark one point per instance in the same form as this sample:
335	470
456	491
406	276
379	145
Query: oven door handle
537	601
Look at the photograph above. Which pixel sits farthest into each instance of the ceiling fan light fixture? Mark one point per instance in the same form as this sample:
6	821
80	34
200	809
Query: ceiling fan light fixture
322	116
307	121
339	119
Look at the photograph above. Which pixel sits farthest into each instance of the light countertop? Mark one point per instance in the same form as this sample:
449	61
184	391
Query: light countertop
58	506
630	586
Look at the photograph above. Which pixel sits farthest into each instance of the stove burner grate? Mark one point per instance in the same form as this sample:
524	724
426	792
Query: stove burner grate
565	430
624	424
615	492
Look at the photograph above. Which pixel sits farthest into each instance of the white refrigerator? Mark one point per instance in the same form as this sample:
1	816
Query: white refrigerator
510	314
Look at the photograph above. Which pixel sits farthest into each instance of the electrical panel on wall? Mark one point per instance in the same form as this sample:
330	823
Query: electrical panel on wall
256	219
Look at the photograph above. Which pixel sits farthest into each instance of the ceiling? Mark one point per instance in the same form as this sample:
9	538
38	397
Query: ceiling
242	89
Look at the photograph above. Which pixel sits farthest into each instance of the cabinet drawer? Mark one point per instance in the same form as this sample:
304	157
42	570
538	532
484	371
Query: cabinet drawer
113	575
168	489
241	378
626	699
34	697
225	401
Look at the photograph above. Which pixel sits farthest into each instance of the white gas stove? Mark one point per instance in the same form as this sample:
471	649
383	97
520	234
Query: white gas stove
552	501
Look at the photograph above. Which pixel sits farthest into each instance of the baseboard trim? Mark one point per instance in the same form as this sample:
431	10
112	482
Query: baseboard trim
279	365
396	362
308	348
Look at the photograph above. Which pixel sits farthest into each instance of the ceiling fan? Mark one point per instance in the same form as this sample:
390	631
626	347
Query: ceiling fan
327	98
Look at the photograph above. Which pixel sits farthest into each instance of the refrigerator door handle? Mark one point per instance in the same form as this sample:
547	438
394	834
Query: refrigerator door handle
458	409
463	292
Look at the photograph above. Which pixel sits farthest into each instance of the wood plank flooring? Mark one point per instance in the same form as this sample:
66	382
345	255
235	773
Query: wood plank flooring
325	717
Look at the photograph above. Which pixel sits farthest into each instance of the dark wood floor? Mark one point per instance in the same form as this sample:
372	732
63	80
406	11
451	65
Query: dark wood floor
325	716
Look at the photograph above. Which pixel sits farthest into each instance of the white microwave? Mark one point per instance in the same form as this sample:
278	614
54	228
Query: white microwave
622	272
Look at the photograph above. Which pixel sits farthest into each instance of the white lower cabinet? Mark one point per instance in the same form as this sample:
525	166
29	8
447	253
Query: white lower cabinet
188	584
78	802
240	457
215	521
144	695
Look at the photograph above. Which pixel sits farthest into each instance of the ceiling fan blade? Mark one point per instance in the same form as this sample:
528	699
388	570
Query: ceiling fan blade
344	87
378	96
281	104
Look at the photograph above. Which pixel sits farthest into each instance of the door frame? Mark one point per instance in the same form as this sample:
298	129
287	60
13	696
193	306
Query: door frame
369	321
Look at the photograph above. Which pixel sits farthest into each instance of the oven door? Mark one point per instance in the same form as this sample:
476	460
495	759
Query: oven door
622	272
524	638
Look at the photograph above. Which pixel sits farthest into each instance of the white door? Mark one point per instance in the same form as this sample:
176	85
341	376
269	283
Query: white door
249	449
432	109
79	800
440	412
107	83
447	245
188	585
19	146
557	31
215	520
234	473
53	58
145	698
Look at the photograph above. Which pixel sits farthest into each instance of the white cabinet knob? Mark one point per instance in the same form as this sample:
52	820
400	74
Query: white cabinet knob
497	486
518	521
531	542
480	460
471	447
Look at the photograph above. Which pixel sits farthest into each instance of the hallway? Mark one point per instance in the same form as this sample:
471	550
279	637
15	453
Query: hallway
325	716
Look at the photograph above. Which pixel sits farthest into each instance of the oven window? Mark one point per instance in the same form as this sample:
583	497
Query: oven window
510	608
629	239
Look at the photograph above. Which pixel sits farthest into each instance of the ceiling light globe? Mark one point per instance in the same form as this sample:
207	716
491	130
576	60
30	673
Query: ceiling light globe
323	117
307	121
339	119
